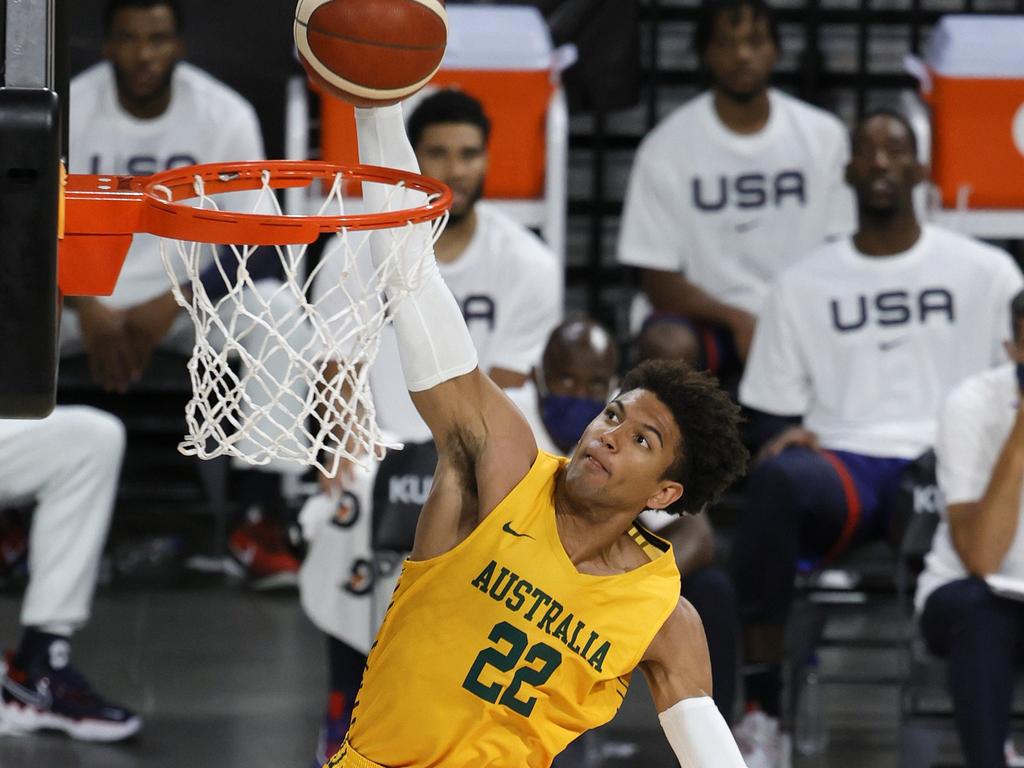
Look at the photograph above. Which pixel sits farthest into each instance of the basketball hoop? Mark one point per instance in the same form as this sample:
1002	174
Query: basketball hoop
283	401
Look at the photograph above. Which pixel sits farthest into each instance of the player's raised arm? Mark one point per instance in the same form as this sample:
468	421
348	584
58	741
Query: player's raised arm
476	428
678	672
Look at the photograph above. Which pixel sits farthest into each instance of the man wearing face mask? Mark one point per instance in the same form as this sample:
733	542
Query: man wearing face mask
569	389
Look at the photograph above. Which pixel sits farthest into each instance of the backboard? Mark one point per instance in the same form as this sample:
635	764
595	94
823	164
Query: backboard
32	141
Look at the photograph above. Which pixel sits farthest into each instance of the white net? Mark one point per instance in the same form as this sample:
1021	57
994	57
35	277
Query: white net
278	378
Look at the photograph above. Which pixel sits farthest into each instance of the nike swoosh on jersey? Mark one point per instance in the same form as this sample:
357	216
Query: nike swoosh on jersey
885	346
508	529
746	226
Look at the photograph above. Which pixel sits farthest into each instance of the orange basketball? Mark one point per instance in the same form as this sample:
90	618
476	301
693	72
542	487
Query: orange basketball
371	52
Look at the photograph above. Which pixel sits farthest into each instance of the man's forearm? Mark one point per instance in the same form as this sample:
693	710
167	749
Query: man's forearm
986	537
671	292
78	303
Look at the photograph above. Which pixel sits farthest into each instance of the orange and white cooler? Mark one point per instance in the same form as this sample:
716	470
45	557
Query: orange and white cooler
976	67
504	57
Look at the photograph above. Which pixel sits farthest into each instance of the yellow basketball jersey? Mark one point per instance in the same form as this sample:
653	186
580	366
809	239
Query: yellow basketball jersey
499	652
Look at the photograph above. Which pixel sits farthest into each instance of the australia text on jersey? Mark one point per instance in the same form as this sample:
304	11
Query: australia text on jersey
570	630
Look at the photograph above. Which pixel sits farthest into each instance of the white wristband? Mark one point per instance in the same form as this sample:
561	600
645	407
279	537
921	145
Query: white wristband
699	735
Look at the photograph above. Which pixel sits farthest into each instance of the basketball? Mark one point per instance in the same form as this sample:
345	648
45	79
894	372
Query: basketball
371	53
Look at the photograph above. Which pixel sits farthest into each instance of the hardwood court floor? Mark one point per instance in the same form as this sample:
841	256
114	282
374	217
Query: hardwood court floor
227	678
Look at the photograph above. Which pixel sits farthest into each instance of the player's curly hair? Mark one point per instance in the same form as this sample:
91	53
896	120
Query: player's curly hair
710	455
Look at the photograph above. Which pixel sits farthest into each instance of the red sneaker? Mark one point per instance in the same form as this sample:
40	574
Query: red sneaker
262	549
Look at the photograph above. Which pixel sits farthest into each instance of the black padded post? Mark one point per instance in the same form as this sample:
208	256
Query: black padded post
29	179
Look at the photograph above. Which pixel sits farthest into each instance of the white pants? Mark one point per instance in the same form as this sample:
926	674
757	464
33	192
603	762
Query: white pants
69	463
181	338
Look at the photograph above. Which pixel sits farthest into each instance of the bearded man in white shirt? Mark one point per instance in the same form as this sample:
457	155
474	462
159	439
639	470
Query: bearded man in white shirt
857	345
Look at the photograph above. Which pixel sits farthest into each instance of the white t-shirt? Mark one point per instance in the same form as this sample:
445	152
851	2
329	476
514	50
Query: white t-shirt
205	122
731	211
509	285
976	419
866	348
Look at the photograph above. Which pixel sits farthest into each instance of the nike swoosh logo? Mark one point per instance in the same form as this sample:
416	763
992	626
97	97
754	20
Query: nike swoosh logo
40	699
746	226
885	346
508	529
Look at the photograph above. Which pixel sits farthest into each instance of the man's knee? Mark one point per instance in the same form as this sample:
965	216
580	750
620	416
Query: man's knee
91	435
966	611
773	485
965	600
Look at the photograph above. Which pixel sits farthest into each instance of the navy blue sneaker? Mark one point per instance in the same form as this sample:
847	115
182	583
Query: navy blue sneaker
59	698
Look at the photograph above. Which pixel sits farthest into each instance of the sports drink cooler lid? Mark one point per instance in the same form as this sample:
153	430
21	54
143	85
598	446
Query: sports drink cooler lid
497	38
978	46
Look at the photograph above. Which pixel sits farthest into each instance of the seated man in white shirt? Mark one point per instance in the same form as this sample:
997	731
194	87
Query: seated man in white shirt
975	625
857	345
569	389
143	110
732	187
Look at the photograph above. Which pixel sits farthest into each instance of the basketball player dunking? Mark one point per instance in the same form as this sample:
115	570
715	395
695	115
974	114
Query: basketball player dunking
531	595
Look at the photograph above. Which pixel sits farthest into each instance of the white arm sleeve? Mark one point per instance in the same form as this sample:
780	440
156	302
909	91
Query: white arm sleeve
699	735
433	341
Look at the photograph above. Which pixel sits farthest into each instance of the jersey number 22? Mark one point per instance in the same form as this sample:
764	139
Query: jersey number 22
504	662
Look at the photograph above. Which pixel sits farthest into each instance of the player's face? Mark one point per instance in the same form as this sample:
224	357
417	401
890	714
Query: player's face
741	54
623	456
456	154
883	169
143	45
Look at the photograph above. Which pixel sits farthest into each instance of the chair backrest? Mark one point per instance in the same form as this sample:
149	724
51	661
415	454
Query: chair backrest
399	493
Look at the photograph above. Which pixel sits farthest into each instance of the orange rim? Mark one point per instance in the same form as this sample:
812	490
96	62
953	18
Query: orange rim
102	212
188	221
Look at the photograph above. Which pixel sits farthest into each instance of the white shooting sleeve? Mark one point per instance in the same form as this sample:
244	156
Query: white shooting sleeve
699	735
433	341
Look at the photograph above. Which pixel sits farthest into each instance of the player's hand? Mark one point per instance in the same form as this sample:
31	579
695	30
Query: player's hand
106	341
148	324
794	436
742	326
